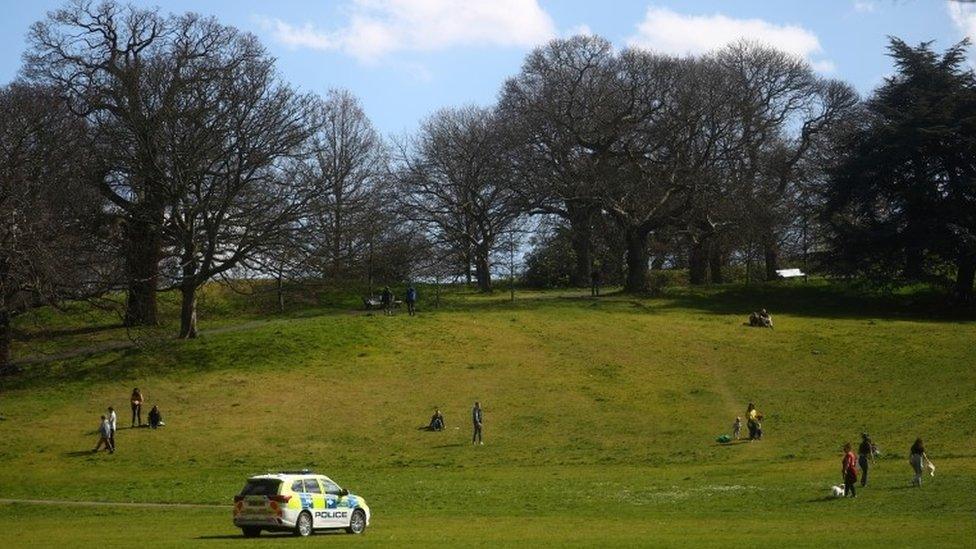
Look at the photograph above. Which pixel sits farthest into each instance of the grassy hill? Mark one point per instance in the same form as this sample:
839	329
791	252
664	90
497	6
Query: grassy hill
601	418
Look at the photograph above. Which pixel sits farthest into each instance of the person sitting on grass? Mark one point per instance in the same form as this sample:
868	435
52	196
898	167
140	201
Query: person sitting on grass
155	418
762	319
104	436
436	421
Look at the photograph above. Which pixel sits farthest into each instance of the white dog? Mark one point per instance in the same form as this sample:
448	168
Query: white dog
837	491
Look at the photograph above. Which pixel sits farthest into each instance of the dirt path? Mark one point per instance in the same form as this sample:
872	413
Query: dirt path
114	503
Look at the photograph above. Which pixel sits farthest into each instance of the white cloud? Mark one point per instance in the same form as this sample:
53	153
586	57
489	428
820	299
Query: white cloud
379	27
865	6
670	32
582	28
963	17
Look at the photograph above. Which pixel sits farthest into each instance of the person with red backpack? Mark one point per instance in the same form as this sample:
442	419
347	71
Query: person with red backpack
848	469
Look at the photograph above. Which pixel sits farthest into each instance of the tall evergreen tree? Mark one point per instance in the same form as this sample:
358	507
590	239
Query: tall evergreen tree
902	199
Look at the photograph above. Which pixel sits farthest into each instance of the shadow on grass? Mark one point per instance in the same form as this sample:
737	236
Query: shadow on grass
79	453
81	330
442	446
270	536
818	299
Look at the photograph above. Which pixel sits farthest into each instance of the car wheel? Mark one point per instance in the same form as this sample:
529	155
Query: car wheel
357	524
251	531
303	526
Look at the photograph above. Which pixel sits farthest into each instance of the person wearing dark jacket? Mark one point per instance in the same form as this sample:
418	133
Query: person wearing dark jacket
155	417
917	458
477	417
411	299
865	454
387	299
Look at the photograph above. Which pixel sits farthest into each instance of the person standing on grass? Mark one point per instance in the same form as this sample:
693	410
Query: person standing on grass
104	436
477	417
387	299
917	458
865	453
411	300
848	470
136	401
113	419
751	420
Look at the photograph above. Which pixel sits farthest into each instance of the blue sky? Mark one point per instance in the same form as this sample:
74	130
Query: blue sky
406	58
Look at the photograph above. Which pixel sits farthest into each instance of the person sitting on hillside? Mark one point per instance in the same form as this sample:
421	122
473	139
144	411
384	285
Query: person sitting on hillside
762	319
155	418
436	421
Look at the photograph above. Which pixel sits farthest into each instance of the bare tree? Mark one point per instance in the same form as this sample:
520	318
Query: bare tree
346	173
563	110
47	249
779	110
453	181
101	57
223	153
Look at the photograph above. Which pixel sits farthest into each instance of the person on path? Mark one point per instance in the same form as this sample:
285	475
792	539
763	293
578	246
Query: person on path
477	417
387	299
865	454
136	401
848	470
155	417
917	458
113	419
104	436
411	300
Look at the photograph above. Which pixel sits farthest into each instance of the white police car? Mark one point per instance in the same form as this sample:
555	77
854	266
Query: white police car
299	502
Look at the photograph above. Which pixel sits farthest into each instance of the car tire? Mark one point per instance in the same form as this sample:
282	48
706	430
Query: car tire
303	526
357	524
251	531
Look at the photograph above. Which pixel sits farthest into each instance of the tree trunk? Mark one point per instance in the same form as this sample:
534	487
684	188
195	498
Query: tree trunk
771	257
142	269
637	258
965	276
580	219
697	263
5	339
482	274
188	311
281	294
715	263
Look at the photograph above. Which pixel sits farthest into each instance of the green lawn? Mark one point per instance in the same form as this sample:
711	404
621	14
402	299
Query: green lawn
601	417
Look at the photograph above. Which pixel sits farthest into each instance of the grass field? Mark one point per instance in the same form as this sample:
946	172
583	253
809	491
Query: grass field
601	417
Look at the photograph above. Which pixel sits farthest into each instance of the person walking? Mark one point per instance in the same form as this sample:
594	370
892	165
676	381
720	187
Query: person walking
595	282
477	417
113	419
411	301
104	436
387	299
136	401
865	454
917	458
848	470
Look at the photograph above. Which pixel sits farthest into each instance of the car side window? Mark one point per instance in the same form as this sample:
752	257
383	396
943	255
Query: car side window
297	486
312	486
331	487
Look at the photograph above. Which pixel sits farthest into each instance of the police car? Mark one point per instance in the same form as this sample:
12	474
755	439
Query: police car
299	502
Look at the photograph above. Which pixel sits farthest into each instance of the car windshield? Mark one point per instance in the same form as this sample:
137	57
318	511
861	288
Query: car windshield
261	487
